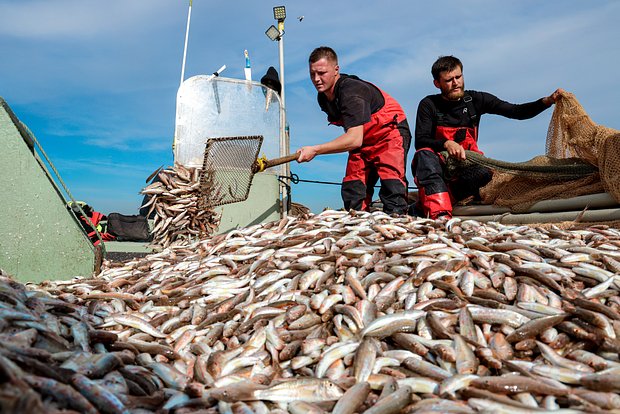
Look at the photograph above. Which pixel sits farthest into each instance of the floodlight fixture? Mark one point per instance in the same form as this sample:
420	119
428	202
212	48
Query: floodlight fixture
273	33
279	13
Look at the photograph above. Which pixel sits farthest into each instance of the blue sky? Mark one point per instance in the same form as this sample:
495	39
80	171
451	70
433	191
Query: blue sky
96	81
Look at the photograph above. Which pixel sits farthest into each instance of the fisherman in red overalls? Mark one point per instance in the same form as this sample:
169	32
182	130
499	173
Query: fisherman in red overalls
377	135
449	122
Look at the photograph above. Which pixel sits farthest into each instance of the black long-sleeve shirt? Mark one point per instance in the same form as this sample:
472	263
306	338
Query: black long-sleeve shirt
455	114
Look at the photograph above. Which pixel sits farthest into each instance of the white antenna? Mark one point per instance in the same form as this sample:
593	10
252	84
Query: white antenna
217	72
189	16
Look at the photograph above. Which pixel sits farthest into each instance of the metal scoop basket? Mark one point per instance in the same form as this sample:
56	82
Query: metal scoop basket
229	167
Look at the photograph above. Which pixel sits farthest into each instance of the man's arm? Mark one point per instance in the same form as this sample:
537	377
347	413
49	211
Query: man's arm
350	140
494	105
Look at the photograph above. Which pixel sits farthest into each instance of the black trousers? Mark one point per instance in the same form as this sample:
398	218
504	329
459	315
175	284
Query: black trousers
430	175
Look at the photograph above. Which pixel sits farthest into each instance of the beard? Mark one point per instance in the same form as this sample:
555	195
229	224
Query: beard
454	94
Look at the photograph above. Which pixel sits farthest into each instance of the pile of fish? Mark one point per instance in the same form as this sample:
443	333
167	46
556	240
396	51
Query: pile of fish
340	312
175	199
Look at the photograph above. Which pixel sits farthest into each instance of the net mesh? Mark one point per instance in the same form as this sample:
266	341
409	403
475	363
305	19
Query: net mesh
571	134
227	170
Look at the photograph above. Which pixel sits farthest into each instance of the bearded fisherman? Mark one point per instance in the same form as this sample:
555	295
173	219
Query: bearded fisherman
449	122
377	135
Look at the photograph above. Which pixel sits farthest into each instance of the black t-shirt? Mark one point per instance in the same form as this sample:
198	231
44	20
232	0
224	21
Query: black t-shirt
354	102
455	114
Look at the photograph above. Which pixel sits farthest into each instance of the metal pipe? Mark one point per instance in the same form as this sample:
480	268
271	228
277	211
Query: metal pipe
189	16
611	214
284	140
281	57
591	201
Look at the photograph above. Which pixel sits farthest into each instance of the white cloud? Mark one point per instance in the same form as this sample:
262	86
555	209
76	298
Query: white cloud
75	19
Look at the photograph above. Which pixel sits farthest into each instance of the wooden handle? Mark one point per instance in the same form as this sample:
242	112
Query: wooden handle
281	160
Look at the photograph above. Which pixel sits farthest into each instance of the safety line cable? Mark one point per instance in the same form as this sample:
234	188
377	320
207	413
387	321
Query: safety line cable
294	178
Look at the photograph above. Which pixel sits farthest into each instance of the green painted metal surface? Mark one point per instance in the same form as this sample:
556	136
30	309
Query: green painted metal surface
262	205
39	238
